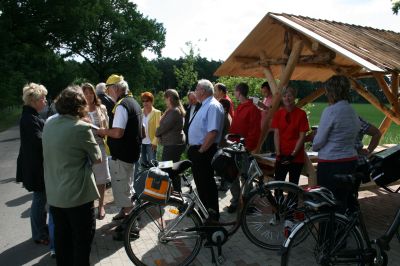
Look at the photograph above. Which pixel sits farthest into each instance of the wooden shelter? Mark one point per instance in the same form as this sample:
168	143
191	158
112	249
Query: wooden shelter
287	47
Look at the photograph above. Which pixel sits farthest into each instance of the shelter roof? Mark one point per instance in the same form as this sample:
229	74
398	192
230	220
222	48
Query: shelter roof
329	47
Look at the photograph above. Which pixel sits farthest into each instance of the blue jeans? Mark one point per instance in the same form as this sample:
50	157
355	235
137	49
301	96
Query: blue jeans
147	154
39	215
51	231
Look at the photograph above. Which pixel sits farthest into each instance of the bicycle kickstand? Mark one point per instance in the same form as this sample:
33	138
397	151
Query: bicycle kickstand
221	259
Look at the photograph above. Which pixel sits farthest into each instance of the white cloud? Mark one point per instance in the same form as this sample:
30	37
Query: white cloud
225	23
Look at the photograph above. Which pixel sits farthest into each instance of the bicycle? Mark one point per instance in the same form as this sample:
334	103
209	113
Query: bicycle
173	233
330	238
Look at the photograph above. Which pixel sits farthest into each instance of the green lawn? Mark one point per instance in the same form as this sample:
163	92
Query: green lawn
9	117
366	111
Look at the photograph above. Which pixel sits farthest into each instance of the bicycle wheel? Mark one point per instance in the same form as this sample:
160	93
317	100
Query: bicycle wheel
270	213
146	244
313	241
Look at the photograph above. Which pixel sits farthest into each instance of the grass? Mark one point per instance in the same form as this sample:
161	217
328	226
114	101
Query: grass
9	117
366	111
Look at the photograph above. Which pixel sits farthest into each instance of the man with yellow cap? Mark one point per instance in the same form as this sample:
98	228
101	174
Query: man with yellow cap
124	140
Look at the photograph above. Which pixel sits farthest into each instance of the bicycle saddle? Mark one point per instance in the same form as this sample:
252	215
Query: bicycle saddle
178	167
317	198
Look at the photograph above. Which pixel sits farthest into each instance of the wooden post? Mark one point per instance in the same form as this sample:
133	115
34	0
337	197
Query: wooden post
375	102
270	79
385	88
384	126
276	97
311	97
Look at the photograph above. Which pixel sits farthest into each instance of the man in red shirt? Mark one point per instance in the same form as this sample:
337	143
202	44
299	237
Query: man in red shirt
246	122
221	93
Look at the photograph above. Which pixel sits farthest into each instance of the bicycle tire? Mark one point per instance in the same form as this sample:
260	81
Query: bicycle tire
263	217
142	243
310	241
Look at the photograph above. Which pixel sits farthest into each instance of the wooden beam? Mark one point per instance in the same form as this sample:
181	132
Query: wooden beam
277	96
394	87
375	102
311	97
322	58
386	90
271	80
385	125
291	64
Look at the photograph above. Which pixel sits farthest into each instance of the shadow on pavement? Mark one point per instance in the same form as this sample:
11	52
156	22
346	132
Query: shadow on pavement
23	253
8	180
26	213
19	201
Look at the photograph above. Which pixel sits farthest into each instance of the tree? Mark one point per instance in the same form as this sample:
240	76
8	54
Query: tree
186	75
395	6
109	35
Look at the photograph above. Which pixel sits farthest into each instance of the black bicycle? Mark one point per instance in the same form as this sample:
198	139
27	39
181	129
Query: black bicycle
330	238
173	233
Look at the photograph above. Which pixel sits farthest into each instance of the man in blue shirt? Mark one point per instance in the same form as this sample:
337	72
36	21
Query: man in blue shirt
204	134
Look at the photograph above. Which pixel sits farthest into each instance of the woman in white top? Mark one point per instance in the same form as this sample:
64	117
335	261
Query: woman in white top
97	116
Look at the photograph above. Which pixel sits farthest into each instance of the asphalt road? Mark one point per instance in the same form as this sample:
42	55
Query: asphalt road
16	244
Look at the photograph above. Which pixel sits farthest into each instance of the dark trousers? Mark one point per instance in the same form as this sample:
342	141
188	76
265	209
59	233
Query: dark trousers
173	153
74	231
294	170
203	175
325	178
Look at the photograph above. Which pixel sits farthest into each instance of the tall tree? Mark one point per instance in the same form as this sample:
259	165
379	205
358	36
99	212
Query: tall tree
186	75
395	6
109	35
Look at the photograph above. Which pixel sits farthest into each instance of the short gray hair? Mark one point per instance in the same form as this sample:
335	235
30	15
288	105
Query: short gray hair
100	88
33	92
122	85
206	85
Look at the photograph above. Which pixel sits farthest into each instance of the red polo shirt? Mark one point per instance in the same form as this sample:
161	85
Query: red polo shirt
231	108
246	122
290	124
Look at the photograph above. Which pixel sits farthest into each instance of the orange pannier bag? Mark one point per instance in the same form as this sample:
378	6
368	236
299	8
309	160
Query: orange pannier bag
157	186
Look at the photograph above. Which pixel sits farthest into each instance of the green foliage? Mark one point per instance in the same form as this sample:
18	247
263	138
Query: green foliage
9	117
159	102
231	82
395	6
186	75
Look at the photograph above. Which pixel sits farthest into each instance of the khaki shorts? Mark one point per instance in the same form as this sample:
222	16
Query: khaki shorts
121	182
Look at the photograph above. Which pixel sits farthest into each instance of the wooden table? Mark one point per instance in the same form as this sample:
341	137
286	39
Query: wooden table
267	164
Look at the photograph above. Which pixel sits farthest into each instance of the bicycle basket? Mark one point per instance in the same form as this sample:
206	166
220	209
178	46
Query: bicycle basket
156	186
224	165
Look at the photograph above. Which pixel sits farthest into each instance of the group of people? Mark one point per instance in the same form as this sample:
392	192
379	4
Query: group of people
102	135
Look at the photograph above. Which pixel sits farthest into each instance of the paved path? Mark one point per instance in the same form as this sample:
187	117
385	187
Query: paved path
16	247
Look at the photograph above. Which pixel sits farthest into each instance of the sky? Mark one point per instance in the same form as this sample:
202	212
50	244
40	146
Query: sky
217	27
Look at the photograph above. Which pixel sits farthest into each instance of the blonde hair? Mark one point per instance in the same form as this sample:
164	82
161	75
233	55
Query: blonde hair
33	92
175	100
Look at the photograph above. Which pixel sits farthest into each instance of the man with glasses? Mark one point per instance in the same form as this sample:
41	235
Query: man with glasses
204	135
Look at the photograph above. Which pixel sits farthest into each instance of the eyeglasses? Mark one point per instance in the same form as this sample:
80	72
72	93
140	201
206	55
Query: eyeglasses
145	101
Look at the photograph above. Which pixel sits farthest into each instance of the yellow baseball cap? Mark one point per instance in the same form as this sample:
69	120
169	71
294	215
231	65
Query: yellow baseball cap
114	79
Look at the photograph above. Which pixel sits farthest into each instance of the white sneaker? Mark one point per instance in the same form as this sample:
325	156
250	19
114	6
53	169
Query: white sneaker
52	254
